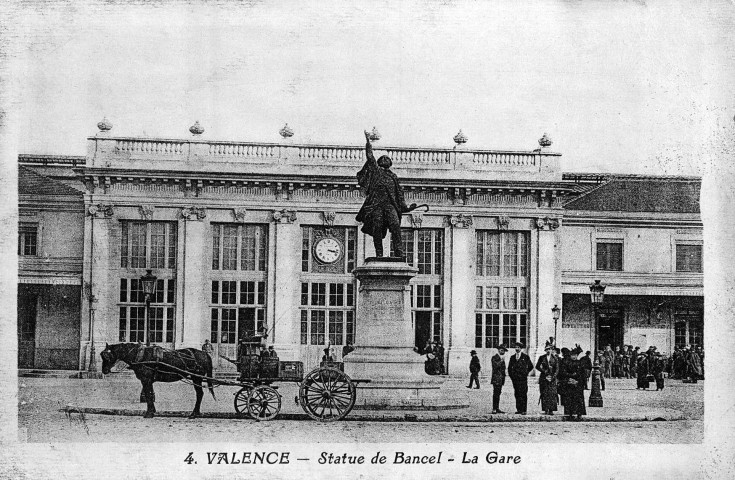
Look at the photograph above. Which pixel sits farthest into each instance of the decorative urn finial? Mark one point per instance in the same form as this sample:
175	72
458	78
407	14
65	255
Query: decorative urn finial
545	141
375	135
104	125
460	138
286	131
196	129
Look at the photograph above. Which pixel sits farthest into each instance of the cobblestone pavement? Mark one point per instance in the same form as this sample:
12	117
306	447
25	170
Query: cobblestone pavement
40	418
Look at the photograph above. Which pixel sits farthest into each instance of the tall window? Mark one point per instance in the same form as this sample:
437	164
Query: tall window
688	328
239	247
148	245
132	311
688	258
610	256
27	239
424	248
327	313
502	288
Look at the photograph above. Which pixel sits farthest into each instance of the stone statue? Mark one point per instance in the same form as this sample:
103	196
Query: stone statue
384	204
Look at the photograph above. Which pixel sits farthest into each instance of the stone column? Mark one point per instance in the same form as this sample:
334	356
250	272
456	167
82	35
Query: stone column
462	294
287	247
195	314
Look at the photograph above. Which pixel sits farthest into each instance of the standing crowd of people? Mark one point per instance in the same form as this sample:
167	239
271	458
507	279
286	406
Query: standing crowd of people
651	366
564	373
562	378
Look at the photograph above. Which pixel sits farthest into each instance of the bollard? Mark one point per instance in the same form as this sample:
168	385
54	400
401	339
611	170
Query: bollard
595	394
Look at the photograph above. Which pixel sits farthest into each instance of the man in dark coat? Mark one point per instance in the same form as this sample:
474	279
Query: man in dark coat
498	377
381	212
587	364
693	365
519	366
548	366
474	370
643	370
657	369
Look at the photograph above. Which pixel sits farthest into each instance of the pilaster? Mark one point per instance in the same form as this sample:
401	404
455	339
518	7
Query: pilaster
287	247
194	326
548	284
462	292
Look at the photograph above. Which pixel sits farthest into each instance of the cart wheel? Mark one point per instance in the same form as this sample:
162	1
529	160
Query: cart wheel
241	400
264	403
327	394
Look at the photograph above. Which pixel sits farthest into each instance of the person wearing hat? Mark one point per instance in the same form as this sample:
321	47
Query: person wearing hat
571	377
548	366
519	366
587	363
643	370
474	370
497	378
693	365
657	369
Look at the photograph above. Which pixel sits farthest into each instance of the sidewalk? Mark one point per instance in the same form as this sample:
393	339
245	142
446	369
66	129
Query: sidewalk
119	396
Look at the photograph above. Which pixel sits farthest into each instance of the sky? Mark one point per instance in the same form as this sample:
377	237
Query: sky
625	87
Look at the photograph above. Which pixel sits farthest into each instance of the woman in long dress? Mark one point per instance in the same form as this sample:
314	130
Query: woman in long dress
571	376
548	365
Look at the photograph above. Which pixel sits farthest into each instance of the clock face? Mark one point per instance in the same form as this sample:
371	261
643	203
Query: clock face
328	250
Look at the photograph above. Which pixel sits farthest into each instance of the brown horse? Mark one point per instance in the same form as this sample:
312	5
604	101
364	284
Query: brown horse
155	364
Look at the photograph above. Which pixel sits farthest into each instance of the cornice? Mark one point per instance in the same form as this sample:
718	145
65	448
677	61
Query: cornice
583	218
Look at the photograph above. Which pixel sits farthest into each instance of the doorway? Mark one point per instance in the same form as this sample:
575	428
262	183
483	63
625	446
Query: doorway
422	328
27	308
610	329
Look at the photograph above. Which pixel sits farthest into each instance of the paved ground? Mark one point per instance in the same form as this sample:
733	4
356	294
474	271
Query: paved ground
40	418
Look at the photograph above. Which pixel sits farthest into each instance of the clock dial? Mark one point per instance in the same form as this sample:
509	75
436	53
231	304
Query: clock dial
328	250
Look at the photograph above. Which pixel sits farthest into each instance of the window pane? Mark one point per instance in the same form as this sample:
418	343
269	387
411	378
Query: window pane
216	239
229	247
214	327
158	245
509	298
229	292
305	253
351	249
610	256
336	327
123	324
123	290
510	255
317	327
137	244
261	238
478	330
350	326
478	298
304	327
247	293
438	252
688	258
249	251
124	245
425	244
172	229
215	292
318	293
492	298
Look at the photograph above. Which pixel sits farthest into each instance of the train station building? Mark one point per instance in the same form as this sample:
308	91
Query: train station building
243	235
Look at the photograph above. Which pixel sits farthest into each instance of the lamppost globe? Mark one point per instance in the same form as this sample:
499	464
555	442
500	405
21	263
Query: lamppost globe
149	289
555	313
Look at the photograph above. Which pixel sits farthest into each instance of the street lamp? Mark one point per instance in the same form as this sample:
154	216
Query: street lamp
149	289
555	314
597	294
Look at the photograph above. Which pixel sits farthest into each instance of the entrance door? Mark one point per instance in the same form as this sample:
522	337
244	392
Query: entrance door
26	329
246	322
422	328
610	330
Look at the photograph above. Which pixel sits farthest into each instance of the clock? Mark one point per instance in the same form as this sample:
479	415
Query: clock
328	250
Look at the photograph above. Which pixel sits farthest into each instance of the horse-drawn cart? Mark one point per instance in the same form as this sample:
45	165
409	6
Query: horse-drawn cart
326	393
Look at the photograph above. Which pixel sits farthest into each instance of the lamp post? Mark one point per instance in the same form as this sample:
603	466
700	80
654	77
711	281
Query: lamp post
597	293
92	355
555	314
149	289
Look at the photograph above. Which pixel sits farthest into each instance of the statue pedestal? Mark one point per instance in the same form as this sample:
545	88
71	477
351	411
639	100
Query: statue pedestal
385	338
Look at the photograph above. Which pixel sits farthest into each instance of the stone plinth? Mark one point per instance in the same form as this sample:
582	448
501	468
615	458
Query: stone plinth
384	339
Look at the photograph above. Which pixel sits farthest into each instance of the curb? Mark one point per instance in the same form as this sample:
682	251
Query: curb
387	418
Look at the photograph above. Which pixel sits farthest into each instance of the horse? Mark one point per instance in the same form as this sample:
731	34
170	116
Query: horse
155	364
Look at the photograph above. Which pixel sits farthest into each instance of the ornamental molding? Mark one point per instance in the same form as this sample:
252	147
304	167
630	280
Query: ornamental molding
460	220
503	222
547	223
460	138
239	214
284	216
329	217
193	213
417	218
101	210
286	131
146	212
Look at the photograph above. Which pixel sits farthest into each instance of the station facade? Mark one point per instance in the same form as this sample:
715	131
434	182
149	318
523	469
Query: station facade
243	235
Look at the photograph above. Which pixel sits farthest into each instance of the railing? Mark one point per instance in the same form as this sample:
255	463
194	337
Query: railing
151	146
242	150
286	153
51	159
510	158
